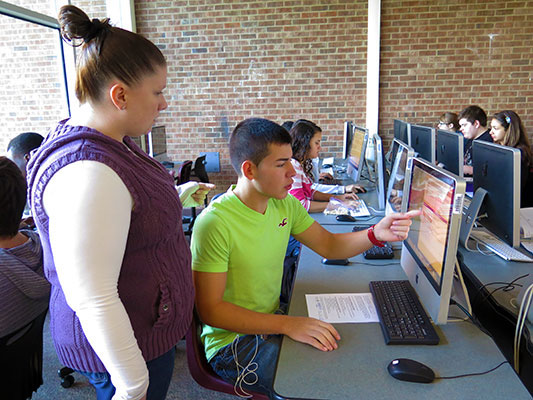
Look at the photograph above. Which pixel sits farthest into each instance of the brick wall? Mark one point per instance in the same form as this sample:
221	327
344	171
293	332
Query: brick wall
442	56
275	59
229	60
32	97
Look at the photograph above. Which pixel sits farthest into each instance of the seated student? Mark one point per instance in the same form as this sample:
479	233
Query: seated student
306	138
449	121
287	125
24	292
507	129
20	147
238	246
18	151
473	126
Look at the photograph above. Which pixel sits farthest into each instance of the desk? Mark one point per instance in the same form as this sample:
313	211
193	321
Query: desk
358	369
496	312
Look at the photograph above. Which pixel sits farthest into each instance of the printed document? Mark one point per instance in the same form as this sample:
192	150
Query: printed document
342	307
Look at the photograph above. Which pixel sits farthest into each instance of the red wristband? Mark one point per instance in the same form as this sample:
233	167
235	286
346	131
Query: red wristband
372	237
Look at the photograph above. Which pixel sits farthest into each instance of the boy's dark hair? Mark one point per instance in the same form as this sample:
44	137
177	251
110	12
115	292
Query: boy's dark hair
473	114
12	197
288	125
24	143
301	134
250	140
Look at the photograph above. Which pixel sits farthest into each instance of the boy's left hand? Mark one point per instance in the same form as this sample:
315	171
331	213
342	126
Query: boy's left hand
395	227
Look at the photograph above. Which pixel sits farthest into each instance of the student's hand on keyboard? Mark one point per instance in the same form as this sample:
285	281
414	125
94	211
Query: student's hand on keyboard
314	332
354	189
395	227
347	196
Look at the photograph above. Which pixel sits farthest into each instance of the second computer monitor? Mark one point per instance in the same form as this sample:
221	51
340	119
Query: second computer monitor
377	170
401	131
422	139
429	252
357	152
450	148
396	198
497	170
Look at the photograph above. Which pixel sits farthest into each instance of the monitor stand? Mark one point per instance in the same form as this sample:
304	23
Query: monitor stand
459	291
470	217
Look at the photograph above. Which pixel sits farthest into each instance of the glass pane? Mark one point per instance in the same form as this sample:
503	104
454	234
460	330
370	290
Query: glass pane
32	93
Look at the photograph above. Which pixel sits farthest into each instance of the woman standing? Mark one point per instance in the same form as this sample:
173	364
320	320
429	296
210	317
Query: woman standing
507	129
110	220
306	138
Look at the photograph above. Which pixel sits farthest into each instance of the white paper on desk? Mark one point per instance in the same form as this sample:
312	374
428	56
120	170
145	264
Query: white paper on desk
342	307
526	222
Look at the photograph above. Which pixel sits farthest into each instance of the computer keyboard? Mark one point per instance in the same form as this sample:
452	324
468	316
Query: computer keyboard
500	248
402	318
375	252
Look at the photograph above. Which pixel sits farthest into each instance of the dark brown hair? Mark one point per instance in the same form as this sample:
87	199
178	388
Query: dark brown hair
515	132
473	114
301	134
107	52
251	138
12	197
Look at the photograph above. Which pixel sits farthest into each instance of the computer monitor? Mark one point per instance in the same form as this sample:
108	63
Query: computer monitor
347	139
154	143
429	252
377	170
399	178
357	153
422	139
450	151
401	131
497	170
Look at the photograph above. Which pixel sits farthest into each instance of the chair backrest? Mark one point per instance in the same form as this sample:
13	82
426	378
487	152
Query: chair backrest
200	369
199	169
21	355
184	173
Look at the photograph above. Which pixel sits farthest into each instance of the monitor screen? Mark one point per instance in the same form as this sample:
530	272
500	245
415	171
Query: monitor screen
450	151
429	252
400	131
377	170
154	143
423	141
497	170
399	178
347	139
357	152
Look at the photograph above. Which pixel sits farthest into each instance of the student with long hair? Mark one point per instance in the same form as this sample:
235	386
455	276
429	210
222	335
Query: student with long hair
109	217
507	129
306	137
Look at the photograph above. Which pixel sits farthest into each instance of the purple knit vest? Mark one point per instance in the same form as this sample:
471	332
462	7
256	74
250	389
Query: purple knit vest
155	282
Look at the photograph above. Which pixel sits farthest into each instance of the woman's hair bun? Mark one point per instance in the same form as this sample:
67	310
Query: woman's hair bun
76	25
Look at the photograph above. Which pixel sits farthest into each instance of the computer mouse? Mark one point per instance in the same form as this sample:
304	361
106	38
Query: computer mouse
409	370
327	166
345	218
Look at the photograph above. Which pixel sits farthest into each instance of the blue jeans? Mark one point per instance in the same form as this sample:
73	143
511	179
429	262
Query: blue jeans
259	376
159	372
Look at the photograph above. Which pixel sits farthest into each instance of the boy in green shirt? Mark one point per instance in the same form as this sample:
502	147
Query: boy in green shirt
238	247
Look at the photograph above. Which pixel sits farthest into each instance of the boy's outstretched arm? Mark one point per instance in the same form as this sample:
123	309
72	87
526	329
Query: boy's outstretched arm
214	311
394	227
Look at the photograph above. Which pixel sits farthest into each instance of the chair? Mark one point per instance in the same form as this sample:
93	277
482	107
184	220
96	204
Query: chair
199	169
22	374
184	173
200	369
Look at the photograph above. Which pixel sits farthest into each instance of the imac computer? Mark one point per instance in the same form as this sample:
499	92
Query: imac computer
497	170
399	178
357	153
377	171
154	143
347	139
429	252
401	131
450	151
423	141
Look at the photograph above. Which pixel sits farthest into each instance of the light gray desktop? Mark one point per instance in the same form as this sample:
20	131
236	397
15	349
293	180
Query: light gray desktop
358	368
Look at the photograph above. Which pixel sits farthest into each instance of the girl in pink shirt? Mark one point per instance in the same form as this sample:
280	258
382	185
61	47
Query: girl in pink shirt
306	138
